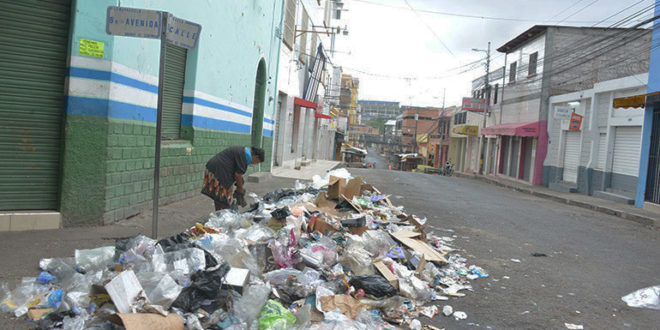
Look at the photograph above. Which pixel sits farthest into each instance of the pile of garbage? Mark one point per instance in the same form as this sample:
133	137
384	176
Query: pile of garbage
330	255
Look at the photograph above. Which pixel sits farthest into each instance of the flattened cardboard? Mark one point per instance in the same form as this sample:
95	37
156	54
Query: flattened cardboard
419	246
346	304
366	187
420	265
148	321
358	230
36	314
356	207
353	187
418	226
322	226
336	187
387	274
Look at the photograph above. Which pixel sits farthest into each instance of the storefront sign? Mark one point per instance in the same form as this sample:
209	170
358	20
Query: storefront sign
563	113
473	104
576	122
466	130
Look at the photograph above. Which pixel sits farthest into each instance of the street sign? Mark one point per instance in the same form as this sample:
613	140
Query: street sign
563	113
144	23
133	22
474	104
182	33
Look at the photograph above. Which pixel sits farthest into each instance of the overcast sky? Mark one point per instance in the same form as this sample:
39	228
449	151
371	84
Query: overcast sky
389	42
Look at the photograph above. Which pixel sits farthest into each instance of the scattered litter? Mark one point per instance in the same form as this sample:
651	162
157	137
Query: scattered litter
515	260
333	254
537	254
460	315
573	326
644	298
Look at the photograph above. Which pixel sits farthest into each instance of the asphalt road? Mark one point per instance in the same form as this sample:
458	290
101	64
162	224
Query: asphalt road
374	156
592	259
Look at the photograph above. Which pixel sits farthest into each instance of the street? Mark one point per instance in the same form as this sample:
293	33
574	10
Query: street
592	259
373	156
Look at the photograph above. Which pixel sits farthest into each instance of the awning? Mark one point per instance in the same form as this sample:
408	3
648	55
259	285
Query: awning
323	116
513	129
466	130
304	103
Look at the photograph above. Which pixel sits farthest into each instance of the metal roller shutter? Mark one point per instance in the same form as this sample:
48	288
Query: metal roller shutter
625	160
175	73
33	52
571	156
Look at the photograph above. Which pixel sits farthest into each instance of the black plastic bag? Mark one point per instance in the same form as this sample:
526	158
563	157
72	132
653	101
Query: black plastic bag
180	242
281	213
374	285
357	222
206	285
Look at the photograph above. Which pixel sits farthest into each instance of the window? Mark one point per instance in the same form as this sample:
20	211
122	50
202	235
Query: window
512	72
533	58
302	51
175	72
289	26
497	87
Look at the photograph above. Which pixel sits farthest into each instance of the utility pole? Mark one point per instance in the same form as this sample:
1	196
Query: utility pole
415	136
482	161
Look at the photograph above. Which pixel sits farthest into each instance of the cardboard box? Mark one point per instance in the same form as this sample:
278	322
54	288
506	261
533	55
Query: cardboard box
410	239
147	321
358	230
336	187
353	187
36	314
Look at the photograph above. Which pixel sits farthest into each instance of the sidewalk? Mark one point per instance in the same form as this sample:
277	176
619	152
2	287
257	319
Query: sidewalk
306	172
624	211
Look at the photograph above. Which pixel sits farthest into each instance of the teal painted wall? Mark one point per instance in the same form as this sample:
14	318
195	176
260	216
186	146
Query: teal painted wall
108	154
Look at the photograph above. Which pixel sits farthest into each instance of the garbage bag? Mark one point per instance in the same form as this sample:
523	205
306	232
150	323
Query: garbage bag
281	213
644	298
275	316
95	258
358	260
374	285
206	285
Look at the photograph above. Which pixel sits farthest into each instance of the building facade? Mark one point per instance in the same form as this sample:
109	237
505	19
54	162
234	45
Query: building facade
83	117
648	187
601	156
304	130
542	62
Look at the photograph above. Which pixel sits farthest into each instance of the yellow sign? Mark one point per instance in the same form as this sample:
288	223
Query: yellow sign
467	130
91	48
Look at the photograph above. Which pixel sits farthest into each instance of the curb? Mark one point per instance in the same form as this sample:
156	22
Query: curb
640	219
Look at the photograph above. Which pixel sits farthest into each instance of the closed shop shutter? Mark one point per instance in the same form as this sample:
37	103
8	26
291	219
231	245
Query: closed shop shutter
175	72
33	52
602	151
625	158
571	156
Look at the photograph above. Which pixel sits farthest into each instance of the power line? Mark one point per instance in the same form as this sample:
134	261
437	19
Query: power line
563	11
467	15
581	9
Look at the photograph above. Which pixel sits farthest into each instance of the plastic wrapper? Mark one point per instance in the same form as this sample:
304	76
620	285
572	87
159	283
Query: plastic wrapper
95	258
644	298
185	261
28	293
61	268
334	320
135	249
303	317
358	260
275	316
410	285
248	307
161	289
226	220
377	242
256	233
75	323
326	256
374	285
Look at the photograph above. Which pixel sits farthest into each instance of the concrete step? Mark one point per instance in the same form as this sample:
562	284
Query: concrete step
563	187
259	177
616	197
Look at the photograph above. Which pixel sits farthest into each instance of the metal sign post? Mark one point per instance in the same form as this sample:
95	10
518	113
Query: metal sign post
143	23
159	120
